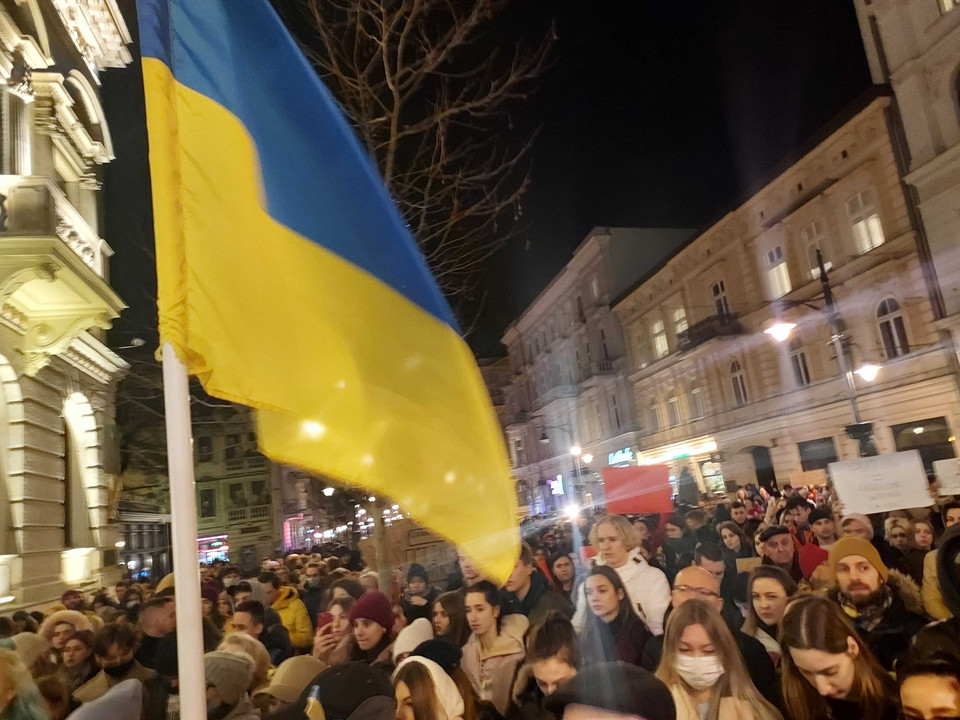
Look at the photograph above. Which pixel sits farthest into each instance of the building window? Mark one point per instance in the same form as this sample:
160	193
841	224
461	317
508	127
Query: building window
205	449
817	454
660	347
892	330
679	321
720	303
815	238
739	384
865	222
696	403
778	277
603	345
616	411
673	411
798	362
596	416
595	287
519	453
655	421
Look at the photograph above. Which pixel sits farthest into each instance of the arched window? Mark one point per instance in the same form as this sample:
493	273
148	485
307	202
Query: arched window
739	384
893	333
798	363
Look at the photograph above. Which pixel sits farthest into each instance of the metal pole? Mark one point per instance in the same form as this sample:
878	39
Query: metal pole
838	338
183	509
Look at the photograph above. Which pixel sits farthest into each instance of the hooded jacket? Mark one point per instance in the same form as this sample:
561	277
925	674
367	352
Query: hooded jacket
527	698
540	600
449	700
890	639
943	636
294	617
491	671
647	587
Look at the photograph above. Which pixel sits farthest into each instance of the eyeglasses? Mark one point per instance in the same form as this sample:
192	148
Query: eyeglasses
702	592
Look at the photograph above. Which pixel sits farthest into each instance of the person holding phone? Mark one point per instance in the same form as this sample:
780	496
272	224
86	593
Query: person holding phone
332	626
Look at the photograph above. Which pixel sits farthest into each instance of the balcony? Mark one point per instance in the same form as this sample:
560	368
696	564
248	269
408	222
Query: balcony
257	512
598	367
709	328
519	418
555	393
52	265
246	463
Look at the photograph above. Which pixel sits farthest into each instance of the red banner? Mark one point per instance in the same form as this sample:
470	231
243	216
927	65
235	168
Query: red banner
643	489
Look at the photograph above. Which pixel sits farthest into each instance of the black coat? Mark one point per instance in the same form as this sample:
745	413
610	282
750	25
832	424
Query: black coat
527	700
621	640
540	600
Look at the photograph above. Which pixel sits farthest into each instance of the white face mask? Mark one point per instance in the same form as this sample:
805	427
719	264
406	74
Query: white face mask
699	673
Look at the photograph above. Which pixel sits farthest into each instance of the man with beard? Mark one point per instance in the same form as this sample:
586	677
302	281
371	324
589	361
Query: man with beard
884	605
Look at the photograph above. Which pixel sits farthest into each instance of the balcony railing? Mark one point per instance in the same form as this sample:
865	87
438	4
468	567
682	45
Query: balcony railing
257	512
248	462
598	367
35	206
708	329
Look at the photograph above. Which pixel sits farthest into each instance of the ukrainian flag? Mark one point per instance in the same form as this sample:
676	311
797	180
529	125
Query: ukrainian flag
289	283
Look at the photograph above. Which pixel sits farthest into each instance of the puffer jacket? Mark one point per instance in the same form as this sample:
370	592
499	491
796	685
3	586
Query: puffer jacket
942	636
647	587
294	617
891	638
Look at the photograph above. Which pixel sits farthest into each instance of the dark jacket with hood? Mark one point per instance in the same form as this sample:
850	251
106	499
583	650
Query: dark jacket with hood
527	698
943	636
890	639
540	600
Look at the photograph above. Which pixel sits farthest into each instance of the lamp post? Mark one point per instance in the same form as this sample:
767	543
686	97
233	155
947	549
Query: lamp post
577	452
860	431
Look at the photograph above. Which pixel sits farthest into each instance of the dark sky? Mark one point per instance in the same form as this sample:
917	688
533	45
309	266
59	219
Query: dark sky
655	113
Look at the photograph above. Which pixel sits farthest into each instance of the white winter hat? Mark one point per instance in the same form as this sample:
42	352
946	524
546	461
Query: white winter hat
420	630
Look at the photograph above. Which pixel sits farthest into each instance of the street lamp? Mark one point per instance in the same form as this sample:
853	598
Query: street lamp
860	431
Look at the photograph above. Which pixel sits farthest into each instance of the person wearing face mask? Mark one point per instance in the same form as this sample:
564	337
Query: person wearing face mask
702	667
930	690
312	590
828	671
114	646
551	660
418	597
613	631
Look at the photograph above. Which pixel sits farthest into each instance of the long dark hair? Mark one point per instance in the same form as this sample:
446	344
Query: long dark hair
458	631
815	623
745	544
553	636
490	593
596	627
423	692
771	572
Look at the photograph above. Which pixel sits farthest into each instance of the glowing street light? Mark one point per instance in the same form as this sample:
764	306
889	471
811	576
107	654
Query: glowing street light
868	371
575	450
780	331
328	491
587	458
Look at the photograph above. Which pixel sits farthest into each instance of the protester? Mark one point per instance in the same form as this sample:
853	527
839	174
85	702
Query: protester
425	692
933	602
736	543
829	673
417	600
19	697
494	649
228	675
408	639
930	690
240	642
564	575
613	691
857	524
616	542
352	691
55	697
740	517
531	591
60	625
943	638
613	631
551	660
779	550
78	664
702	667
288	682
285	601
450	618
250	618
371	640
158	618
883	605
823	527
769	590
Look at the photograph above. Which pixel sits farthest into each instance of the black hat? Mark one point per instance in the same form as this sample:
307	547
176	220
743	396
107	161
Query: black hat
417	571
353	690
773	532
819	514
616	687
443	653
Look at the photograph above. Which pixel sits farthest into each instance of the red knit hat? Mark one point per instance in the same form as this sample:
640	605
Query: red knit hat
374	606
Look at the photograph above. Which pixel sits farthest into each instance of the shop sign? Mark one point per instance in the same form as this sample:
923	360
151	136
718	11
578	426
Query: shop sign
620	457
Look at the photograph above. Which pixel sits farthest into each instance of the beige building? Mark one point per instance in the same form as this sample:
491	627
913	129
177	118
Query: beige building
718	399
567	371
57	378
915	48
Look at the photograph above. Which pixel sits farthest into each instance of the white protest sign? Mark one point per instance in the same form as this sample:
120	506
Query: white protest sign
948	473
894	481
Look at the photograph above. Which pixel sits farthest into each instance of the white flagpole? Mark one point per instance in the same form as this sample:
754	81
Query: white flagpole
186	564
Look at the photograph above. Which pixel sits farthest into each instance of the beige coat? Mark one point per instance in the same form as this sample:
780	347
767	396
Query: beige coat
492	671
730	708
153	702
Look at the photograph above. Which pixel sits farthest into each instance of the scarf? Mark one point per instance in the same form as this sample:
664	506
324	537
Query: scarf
868	616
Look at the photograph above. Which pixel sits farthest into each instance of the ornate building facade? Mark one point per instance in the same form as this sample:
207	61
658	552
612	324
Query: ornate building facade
58	379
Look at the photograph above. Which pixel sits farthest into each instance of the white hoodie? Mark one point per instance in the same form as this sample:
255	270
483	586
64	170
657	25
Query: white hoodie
449	700
647	587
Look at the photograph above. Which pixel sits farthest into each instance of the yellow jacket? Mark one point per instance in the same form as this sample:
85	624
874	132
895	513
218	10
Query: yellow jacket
932	599
295	618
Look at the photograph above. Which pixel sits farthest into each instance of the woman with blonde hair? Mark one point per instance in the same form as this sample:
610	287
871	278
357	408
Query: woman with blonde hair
617	544
19	696
701	665
828	671
238	642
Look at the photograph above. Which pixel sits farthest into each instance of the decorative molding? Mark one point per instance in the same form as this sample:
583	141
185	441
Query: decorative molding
51	336
98	31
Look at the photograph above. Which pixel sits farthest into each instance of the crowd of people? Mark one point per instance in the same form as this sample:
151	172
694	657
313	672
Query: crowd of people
754	607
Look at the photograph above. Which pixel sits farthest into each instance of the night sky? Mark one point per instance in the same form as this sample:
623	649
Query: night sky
654	114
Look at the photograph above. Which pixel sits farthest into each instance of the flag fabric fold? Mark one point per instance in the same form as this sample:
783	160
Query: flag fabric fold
288	281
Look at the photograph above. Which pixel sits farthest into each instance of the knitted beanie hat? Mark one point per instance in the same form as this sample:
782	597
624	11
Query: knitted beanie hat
229	673
855	545
374	606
